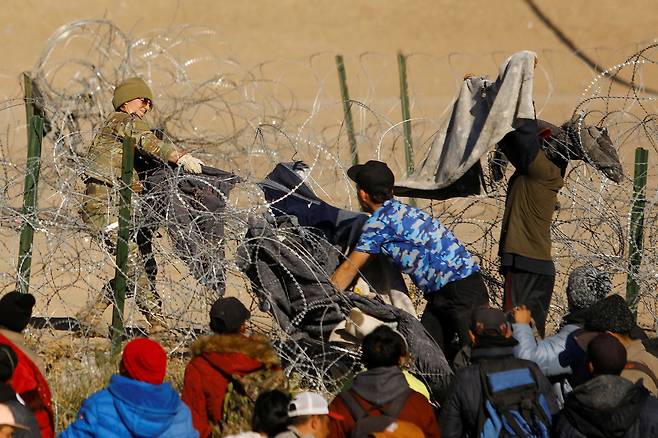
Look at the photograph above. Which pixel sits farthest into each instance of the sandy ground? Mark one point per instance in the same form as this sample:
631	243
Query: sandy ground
260	31
474	36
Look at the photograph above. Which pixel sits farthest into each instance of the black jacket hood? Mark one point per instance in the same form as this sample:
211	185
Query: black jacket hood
606	406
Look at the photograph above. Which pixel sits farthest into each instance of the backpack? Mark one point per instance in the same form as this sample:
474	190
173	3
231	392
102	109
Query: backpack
513	405
241	395
365	423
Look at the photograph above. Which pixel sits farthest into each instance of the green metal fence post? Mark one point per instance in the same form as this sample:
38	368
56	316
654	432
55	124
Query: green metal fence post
122	242
29	97
636	234
406	116
29	212
347	108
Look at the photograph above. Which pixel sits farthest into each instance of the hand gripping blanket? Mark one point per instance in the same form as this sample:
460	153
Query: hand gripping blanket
481	116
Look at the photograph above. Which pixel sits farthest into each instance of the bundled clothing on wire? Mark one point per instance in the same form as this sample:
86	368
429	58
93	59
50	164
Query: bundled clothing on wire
288	267
192	207
289	193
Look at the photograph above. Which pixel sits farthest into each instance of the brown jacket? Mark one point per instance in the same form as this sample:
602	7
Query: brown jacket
531	201
635	352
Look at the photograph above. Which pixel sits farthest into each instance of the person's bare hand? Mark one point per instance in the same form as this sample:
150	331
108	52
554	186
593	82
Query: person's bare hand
522	315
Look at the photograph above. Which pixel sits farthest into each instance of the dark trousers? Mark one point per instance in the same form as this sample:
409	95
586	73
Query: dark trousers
532	290
448	311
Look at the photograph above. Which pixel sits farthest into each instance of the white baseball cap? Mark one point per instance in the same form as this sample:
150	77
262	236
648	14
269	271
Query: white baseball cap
7	418
310	403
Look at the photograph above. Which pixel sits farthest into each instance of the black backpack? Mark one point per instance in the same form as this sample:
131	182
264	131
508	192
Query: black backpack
366	423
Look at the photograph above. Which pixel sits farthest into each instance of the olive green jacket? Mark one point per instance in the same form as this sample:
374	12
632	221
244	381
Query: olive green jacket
106	151
529	208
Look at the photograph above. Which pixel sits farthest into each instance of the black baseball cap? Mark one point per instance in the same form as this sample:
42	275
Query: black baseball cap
488	320
374	177
227	315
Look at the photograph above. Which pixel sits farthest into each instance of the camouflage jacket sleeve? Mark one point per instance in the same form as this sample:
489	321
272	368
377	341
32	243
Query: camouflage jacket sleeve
145	140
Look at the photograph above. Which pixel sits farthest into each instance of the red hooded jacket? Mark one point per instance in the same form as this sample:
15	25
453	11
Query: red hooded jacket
204	387
29	383
381	386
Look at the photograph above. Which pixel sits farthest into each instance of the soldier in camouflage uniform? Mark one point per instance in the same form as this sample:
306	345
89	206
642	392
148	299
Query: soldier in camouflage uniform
100	210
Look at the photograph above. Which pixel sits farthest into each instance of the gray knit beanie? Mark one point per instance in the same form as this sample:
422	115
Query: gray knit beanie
586	286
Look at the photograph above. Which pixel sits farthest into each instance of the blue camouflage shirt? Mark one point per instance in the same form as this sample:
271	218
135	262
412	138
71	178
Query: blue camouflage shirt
418	244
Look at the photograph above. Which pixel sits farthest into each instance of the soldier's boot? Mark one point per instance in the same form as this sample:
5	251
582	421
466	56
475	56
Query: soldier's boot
90	318
150	305
158	325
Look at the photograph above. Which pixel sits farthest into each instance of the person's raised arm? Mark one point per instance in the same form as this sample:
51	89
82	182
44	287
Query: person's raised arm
345	273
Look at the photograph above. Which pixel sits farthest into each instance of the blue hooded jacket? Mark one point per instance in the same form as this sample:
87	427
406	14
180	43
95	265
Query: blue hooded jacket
130	408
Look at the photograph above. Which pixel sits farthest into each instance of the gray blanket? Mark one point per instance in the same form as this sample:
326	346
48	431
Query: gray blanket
482	114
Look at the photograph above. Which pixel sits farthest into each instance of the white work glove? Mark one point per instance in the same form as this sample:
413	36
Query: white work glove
190	163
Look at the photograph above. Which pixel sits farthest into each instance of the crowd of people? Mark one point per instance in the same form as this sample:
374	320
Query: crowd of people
593	378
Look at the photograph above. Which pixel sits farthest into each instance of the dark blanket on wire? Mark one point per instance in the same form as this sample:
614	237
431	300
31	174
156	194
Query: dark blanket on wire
288	194
192	209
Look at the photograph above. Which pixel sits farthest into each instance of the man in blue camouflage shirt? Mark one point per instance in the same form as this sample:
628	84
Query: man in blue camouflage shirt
421	247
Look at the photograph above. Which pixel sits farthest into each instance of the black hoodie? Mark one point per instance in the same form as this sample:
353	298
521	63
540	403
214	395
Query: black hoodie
608	407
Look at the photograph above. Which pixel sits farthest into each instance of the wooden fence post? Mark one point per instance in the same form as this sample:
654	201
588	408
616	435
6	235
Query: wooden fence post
347	108
636	234
123	239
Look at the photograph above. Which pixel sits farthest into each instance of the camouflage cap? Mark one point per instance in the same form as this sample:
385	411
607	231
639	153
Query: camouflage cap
130	89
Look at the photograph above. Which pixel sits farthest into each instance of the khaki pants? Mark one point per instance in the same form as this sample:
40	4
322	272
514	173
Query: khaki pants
100	212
